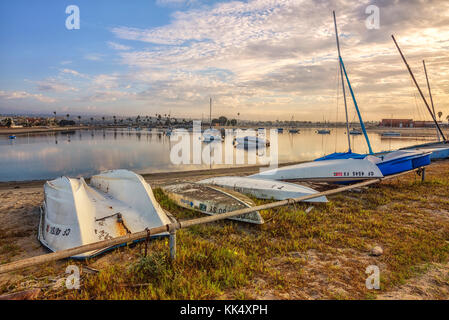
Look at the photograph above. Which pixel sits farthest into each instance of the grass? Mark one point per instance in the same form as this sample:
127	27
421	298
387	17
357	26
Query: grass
320	254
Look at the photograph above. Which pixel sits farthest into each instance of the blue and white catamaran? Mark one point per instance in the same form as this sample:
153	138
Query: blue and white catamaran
390	163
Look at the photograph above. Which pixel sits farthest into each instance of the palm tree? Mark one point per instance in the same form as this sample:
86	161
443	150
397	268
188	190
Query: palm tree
115	120
447	118
91	120
68	116
79	120
440	114
103	120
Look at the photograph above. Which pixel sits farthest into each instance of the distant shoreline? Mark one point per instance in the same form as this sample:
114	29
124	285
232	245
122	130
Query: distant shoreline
409	132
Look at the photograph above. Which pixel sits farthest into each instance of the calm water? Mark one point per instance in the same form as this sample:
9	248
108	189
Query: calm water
87	152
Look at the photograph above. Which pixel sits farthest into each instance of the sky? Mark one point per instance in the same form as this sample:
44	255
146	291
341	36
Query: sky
262	59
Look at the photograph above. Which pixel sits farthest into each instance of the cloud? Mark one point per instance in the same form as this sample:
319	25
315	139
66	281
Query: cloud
73	73
270	58
281	55
13	95
55	85
118	46
94	56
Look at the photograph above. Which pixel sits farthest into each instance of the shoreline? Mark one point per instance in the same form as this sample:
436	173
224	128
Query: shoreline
407	132
156	177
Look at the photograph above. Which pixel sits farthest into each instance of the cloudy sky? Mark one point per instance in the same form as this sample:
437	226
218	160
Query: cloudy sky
264	59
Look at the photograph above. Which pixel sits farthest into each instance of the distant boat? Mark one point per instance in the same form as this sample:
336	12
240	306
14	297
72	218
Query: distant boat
12	137
391	134
251	141
323	131
263	188
293	130
355	132
211	135
280	130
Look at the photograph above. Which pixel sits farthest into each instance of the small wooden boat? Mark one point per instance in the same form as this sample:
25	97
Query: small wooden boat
264	189
115	203
211	200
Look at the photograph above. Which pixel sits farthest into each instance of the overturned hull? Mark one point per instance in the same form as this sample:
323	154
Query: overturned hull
341	170
212	200
116	203
264	189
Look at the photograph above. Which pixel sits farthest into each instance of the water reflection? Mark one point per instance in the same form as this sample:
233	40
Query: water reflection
73	153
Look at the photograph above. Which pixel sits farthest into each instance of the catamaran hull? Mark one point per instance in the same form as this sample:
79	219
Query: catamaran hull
264	189
343	170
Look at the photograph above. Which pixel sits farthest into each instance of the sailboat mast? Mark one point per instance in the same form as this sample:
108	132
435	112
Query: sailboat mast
430	94
419	89
210	113
342	83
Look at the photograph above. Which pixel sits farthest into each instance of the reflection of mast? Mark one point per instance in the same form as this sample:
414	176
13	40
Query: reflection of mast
342	82
419	89
210	113
430	94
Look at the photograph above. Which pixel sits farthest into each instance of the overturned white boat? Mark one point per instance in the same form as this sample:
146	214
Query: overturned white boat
341	170
263	188
115	203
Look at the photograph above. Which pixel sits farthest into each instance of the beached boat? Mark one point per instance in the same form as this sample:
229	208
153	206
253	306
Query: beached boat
323	131
400	161
211	200
264	189
391	163
115	203
340	170
436	153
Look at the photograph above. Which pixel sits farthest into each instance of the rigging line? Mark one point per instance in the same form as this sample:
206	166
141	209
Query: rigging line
336	116
415	130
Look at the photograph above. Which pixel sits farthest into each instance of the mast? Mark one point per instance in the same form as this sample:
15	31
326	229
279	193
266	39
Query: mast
430	94
342	83
210	113
357	108
419	89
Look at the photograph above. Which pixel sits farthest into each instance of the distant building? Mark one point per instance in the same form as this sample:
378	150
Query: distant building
398	123
423	124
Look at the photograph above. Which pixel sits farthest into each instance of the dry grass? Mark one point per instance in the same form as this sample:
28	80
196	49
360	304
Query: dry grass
322	254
